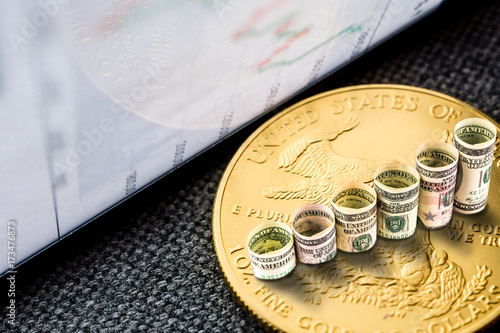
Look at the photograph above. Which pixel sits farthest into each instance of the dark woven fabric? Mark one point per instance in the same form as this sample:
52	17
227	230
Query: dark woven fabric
150	264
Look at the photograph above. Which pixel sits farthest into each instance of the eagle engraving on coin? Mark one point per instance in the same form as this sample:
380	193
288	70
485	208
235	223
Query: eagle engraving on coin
313	158
411	273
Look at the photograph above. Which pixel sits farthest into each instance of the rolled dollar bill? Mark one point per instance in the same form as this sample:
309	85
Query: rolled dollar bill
475	140
355	208
271	250
397	187
437	164
314	233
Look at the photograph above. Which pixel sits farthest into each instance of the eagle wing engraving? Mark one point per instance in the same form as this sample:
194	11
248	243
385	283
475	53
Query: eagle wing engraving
313	158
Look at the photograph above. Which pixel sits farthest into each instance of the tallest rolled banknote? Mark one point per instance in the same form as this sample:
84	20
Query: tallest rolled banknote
475	140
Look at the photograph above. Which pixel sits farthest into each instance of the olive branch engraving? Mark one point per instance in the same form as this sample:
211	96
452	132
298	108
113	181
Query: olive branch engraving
474	286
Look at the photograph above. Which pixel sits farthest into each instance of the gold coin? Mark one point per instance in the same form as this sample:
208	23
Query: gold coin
443	280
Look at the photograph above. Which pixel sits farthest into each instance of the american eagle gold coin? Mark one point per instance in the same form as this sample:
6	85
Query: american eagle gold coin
442	280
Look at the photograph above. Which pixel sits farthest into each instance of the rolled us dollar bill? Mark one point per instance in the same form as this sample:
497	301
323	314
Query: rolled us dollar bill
314	233
355	208
437	164
271	250
397	187
475	140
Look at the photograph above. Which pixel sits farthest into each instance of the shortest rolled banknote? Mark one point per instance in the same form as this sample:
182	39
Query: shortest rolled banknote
437	164
314	233
271	250
397	200
355	208
475	140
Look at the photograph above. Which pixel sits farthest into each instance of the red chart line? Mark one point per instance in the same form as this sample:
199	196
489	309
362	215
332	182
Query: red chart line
257	16
283	28
283	47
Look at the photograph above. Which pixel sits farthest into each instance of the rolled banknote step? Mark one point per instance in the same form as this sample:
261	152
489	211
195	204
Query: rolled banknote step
355	208
397	187
475	140
314	232
437	164
271	250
